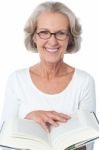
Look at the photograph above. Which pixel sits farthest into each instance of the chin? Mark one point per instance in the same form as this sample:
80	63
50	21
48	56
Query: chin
53	61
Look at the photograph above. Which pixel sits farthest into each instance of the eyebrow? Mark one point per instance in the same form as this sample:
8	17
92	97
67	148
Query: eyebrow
45	29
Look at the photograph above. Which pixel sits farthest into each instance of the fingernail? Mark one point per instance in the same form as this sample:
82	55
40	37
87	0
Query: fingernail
64	120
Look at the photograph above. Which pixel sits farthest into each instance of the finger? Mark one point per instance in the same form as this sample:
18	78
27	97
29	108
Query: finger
58	117
65	116
52	122
62	115
44	126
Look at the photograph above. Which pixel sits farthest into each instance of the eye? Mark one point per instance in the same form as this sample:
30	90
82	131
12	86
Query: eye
44	32
61	33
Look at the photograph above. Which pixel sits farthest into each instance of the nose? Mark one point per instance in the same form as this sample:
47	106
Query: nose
52	40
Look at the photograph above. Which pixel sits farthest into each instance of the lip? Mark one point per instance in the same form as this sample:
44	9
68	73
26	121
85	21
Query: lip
52	50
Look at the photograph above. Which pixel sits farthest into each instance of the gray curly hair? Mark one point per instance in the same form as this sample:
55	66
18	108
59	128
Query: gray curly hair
54	7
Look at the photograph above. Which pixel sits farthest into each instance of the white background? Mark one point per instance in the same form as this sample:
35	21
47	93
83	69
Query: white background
13	55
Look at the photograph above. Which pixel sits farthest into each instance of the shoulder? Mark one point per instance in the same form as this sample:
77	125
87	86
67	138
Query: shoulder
18	74
83	77
83	74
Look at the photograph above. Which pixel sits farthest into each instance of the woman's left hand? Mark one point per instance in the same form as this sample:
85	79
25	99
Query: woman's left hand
47	117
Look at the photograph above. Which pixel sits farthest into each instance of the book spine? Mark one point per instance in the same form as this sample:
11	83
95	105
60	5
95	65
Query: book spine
70	147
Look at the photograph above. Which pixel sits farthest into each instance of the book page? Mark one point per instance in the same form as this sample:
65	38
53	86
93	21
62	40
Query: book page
81	123
29	129
70	126
24	134
91	120
26	129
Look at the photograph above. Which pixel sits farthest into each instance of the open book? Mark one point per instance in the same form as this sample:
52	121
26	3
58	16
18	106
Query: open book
82	128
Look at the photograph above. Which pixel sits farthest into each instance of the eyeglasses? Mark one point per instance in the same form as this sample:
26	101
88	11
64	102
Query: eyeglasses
60	35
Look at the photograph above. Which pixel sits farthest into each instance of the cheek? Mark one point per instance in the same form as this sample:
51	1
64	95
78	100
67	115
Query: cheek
40	45
39	42
65	44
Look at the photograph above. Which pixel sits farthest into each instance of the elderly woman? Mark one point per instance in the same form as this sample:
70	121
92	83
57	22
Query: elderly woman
50	91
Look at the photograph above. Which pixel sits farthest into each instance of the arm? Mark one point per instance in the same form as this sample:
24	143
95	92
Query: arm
88	102
88	96
10	108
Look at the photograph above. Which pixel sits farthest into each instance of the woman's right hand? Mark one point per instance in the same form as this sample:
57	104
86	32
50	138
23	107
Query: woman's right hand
47	117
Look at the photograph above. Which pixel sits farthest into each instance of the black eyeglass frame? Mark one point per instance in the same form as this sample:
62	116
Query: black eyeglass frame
66	34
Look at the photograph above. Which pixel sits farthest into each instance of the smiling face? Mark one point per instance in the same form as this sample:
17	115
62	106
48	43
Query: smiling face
51	49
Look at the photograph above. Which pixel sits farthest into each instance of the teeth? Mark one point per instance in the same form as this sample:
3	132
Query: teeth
52	50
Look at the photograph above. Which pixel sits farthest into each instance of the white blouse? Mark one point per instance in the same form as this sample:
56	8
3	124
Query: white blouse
22	96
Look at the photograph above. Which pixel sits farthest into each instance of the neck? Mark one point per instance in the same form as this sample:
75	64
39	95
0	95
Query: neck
51	70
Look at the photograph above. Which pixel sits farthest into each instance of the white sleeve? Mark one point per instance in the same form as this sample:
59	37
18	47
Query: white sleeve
88	99
88	96
11	101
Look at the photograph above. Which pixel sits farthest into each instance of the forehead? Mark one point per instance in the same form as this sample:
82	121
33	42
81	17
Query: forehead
52	21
